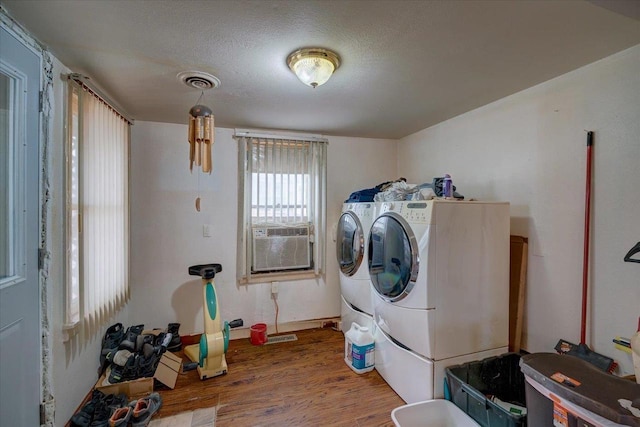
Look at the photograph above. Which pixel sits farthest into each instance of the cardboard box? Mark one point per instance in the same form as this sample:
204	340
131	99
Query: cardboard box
168	369
133	389
167	372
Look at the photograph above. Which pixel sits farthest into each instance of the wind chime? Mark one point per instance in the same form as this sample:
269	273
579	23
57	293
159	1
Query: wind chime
201	139
201	124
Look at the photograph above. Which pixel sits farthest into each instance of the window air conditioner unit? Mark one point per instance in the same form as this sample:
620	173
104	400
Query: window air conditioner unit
281	248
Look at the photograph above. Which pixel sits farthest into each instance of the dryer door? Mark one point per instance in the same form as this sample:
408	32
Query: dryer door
393	257
349	244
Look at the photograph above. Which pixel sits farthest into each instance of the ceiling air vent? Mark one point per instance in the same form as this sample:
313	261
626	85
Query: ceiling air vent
199	80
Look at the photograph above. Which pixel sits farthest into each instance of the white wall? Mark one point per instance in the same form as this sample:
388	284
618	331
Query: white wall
530	149
166	230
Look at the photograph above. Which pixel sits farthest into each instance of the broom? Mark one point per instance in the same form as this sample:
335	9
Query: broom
582	350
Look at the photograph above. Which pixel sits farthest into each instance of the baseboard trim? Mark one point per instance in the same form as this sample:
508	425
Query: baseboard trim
300	325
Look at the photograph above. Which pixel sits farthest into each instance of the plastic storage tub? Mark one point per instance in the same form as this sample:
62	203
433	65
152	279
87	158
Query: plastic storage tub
431	413
567	391
472	386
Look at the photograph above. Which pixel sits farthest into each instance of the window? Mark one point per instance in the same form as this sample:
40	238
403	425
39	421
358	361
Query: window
9	225
97	163
282	206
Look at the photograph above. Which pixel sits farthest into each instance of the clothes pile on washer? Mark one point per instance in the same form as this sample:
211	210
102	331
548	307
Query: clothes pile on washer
399	190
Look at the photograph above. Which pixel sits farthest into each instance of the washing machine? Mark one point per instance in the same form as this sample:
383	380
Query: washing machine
440	286
351	251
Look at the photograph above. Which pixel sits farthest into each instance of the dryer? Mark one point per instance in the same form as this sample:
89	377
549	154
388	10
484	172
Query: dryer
440	285
351	251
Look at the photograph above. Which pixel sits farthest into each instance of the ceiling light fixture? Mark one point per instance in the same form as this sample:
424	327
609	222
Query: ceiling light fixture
313	65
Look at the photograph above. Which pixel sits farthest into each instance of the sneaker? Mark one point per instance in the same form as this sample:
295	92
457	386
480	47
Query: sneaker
176	343
130	338
120	416
144	409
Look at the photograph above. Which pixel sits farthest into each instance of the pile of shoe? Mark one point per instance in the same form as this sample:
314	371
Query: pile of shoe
115	410
131	354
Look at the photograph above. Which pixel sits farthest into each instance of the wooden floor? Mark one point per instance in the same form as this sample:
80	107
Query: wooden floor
298	383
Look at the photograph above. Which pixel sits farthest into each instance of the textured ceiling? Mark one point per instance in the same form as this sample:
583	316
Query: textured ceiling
406	65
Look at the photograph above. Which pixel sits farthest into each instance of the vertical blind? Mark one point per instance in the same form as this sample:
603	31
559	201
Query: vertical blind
282	183
102	210
281	173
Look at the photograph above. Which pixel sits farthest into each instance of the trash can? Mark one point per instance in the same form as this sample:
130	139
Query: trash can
490	391
566	391
432	413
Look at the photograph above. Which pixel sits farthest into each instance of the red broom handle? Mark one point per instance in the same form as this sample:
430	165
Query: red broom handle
585	257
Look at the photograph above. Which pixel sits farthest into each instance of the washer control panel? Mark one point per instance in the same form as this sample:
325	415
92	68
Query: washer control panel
364	210
419	211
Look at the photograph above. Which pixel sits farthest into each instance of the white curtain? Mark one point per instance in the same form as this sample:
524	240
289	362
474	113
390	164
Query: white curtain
282	182
103	210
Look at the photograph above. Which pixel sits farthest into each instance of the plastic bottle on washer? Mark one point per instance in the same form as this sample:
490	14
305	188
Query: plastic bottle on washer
635	351
447	186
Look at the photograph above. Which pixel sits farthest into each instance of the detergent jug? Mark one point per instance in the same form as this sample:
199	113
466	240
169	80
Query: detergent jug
359	349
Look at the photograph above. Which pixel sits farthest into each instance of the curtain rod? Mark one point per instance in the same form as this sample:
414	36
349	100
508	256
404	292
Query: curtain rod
299	137
85	81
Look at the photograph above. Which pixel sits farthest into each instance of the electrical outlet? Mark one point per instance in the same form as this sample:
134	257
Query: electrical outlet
274	287
206	230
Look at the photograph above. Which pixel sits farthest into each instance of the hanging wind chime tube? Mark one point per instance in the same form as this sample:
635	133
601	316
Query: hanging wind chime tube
201	139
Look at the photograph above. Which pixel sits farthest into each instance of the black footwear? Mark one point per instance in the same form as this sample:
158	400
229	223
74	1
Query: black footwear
113	336
110	342
106	407
85	415
148	360
141	340
124	373
118	357
119	401
176	343
102	420
101	415
130	338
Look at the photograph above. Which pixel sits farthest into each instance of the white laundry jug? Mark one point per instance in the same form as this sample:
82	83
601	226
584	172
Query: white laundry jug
359	349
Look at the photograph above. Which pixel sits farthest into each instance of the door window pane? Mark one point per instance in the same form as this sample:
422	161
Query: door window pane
6	171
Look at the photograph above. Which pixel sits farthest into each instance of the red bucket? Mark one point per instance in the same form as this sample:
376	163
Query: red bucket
258	334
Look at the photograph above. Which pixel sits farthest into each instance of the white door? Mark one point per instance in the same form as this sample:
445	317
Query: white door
20	361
